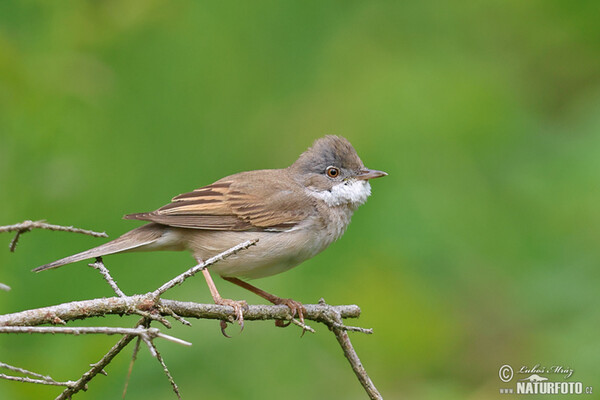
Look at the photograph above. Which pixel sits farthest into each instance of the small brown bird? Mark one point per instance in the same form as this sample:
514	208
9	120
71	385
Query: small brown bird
295	212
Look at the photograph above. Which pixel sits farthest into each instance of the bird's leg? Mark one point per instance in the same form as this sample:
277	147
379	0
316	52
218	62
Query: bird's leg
238	306
295	306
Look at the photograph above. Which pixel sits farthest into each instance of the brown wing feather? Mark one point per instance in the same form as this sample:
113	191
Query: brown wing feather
246	201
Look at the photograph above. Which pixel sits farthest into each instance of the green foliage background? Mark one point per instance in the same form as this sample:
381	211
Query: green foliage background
479	249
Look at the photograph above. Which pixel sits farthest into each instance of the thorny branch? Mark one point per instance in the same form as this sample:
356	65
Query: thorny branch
152	307
99	266
27	226
178	280
144	333
97	368
334	321
37	378
61	313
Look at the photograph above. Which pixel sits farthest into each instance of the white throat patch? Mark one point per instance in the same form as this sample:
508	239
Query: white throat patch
353	193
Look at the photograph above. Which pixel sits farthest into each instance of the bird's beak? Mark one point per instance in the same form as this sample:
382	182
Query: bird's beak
366	174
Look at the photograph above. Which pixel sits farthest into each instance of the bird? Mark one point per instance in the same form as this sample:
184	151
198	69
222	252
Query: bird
294	212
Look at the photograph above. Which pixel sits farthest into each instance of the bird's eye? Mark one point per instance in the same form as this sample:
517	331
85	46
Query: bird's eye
332	172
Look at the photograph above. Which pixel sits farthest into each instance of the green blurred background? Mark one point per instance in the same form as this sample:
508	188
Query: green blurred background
479	249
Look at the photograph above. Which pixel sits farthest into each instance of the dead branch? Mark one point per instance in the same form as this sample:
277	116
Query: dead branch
33	380
145	333
37	378
27	226
335	323
97	368
152	307
60	313
178	280
99	266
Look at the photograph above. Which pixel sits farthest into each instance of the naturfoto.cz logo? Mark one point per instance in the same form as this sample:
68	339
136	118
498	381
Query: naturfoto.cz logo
535	383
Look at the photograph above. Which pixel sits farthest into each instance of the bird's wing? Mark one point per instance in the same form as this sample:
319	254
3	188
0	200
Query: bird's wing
255	200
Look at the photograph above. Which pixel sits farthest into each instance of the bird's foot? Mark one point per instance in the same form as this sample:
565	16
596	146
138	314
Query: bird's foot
238	309
296	308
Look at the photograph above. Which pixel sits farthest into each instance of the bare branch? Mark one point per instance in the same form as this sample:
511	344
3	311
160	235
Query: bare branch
41	379
129	304
367	331
171	313
335	323
76	310
157	355
25	372
99	265
133	358
303	326
27	226
144	333
97	368
38	381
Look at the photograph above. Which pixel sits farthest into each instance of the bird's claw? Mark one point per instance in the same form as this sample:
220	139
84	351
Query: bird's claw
238	309
296	308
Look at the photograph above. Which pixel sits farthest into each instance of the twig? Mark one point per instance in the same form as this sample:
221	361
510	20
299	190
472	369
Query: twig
38	381
81	383
154	351
149	333
154	316
133	358
171	313
41	379
303	326
178	280
335	323
25	372
99	265
13	243
27	226
127	305
367	331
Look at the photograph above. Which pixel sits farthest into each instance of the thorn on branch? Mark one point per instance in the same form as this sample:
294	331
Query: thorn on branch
154	316
133	359
302	325
167	311
154	351
367	331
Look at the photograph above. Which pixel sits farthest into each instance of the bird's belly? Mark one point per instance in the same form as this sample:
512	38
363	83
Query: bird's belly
275	252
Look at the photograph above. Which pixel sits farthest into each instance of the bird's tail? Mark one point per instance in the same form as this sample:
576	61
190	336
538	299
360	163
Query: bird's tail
134	239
